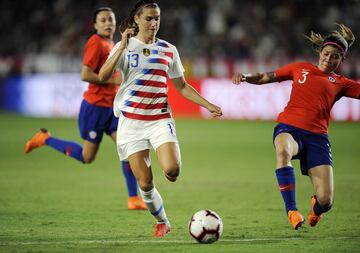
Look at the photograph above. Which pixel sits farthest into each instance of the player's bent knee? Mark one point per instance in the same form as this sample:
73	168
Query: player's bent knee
172	173
88	159
283	155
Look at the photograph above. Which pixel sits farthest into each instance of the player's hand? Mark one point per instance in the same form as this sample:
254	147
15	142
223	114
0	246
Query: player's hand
125	36
215	110
238	78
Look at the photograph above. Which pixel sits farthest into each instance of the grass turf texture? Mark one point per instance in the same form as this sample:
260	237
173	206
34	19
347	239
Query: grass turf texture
52	203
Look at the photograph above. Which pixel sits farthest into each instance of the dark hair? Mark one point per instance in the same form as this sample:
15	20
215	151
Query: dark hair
96	12
129	22
100	10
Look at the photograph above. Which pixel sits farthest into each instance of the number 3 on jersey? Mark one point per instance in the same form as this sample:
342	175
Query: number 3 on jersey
133	60
304	74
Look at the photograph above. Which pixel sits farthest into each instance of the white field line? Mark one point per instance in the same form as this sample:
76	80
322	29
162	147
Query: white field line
157	241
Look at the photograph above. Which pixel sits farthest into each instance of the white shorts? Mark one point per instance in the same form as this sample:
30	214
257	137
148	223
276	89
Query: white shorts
137	135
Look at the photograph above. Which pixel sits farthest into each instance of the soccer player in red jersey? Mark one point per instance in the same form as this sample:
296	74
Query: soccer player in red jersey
142	105
96	115
303	125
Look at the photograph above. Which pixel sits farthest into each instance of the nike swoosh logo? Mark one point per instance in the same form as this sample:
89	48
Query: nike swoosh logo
284	188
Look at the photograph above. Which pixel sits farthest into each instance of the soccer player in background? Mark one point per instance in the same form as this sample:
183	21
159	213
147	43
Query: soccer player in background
142	105
302	132
96	115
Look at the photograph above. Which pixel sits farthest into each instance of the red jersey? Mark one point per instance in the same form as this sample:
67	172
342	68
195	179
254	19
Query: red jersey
96	52
313	95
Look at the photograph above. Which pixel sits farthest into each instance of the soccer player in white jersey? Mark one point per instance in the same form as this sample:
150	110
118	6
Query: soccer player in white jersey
141	103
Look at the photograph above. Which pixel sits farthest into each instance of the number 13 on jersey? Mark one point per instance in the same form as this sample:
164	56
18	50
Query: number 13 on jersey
133	60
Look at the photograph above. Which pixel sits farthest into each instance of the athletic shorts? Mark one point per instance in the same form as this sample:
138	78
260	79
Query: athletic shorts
314	149
138	135
95	120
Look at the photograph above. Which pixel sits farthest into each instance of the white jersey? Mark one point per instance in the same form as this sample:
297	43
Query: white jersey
145	68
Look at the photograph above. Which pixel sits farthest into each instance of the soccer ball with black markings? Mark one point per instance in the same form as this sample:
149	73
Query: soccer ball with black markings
206	226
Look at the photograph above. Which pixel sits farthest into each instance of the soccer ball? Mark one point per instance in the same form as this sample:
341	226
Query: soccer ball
206	226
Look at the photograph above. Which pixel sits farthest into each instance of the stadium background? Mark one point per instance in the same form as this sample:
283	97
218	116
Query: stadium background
40	62
49	203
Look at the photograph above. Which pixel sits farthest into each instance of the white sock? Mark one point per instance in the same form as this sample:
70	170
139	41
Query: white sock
154	203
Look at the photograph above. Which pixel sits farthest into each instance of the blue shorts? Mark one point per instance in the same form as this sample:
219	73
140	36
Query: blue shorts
95	120
314	149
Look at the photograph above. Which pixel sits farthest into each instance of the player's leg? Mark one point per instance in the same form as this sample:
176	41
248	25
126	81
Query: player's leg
323	183
135	202
89	118
165	143
169	158
69	148
286	147
140	164
90	123
89	151
320	171
133	144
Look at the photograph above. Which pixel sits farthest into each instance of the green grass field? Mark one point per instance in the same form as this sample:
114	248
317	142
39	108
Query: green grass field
52	203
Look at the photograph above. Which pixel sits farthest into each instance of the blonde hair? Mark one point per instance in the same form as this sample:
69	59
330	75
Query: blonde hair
346	33
343	33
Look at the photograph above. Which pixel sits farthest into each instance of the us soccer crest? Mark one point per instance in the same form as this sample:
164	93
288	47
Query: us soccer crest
146	51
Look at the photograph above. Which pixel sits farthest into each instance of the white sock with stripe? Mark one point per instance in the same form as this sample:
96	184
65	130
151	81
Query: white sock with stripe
155	205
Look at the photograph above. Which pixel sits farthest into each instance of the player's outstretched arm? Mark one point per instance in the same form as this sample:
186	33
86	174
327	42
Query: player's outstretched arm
187	91
257	78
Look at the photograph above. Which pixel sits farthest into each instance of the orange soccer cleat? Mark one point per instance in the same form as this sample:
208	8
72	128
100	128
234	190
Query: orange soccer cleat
38	140
161	229
136	203
296	219
313	219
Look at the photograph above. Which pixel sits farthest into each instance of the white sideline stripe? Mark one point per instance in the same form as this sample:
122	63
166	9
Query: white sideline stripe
18	243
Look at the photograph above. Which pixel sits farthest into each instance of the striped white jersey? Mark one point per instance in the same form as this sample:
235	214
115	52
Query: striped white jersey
145	68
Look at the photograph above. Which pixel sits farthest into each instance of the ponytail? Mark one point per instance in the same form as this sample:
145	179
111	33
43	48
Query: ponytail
342	38
316	39
346	33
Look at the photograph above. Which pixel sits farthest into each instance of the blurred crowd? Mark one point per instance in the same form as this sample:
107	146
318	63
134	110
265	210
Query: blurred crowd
214	37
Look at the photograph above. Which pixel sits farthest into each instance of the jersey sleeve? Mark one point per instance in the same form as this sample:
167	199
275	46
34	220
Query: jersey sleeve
92	54
352	89
176	68
285	72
